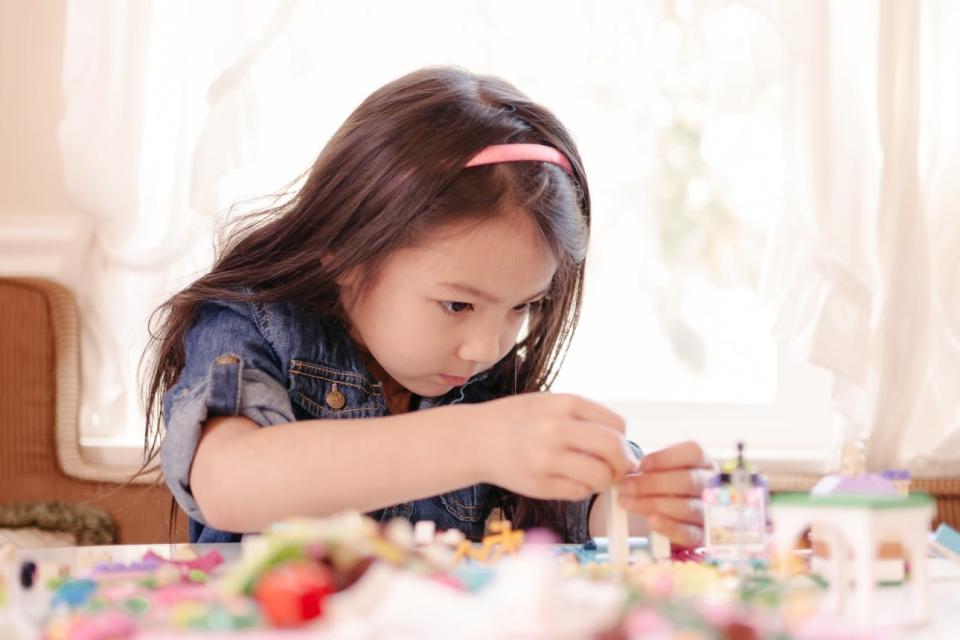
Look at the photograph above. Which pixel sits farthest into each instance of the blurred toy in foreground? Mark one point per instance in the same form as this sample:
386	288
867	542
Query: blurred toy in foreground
864	527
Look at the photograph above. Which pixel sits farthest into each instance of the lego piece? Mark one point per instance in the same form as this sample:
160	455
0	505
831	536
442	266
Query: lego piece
889	564
111	624
451	537
294	593
424	532
659	546
28	574
183	553
900	479
871	484
618	529
74	593
734	505
399	531
851	524
946	541
503	540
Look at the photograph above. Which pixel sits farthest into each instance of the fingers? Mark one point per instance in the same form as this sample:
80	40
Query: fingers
590	411
685	510
585	469
679	533
600	442
679	456
681	482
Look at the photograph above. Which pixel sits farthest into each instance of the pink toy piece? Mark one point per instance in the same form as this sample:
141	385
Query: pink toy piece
111	625
176	593
680	554
450	581
540	536
117	592
206	563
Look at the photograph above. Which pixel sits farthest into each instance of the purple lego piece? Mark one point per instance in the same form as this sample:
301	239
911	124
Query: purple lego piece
895	474
870	484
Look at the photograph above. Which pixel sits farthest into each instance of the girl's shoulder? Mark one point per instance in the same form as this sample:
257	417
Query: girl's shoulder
289	329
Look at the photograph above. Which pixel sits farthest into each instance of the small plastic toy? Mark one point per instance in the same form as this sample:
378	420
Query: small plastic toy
424	532
293	594
900	479
735	514
618	529
854	526
946	542
503	540
659	546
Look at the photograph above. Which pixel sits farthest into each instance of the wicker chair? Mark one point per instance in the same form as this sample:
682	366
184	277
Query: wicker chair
40	457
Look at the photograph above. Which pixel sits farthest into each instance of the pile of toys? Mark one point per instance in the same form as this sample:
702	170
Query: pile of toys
349	576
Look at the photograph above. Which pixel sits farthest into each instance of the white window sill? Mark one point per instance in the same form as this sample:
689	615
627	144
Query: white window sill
112	452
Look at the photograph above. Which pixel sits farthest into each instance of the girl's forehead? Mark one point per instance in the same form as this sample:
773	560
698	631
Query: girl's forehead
502	253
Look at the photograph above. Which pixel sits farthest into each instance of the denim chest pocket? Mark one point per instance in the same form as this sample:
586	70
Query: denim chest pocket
464	505
326	392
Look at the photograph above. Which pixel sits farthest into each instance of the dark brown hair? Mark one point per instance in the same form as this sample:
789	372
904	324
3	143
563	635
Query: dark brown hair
391	173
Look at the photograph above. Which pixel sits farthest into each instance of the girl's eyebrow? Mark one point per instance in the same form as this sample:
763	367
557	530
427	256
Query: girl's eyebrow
483	295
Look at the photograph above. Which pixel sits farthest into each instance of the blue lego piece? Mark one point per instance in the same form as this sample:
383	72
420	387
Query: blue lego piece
946	541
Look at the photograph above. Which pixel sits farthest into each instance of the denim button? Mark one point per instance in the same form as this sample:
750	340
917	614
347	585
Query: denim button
335	399
227	358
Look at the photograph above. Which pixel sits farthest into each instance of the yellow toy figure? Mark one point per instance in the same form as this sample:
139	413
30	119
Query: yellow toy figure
503	539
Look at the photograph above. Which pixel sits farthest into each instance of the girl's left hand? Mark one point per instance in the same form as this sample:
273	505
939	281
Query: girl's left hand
668	491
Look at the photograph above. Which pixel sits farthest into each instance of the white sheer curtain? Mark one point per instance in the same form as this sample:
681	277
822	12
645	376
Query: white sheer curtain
152	97
864	270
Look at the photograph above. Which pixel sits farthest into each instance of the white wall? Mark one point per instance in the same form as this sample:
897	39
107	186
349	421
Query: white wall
31	104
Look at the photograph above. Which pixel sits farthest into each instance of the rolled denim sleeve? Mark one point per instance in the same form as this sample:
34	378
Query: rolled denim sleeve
230	369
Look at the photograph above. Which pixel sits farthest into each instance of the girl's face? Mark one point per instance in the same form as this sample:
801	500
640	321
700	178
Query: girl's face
451	307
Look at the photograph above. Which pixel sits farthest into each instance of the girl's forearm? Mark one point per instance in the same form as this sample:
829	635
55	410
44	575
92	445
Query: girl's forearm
244	477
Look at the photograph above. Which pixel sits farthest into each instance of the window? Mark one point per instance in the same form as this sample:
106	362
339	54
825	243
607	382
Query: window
676	107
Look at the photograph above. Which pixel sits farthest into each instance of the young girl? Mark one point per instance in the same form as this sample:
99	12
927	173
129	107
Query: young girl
396	325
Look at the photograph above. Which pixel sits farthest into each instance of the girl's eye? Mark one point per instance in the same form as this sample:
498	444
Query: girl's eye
527	307
455	308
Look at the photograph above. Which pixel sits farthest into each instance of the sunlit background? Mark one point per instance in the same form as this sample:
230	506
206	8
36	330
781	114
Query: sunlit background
737	277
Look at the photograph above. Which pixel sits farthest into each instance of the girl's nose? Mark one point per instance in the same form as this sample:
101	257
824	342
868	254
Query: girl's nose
482	347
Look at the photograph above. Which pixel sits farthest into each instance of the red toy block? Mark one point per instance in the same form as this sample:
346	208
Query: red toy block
292	594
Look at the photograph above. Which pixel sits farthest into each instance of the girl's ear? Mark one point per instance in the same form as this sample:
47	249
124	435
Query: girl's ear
347	279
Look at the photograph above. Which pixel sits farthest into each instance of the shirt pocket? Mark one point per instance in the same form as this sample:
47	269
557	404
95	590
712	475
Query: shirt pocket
464	505
326	392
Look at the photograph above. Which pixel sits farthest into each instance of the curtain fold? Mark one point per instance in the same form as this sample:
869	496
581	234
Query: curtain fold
864	270
158	110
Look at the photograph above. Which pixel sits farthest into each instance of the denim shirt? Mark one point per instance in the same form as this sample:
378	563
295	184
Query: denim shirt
276	363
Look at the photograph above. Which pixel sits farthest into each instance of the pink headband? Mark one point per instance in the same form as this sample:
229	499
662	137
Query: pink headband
518	152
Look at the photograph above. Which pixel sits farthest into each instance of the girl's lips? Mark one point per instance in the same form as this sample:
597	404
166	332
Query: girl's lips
453	380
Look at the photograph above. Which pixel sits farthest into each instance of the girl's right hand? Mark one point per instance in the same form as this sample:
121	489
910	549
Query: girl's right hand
551	446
